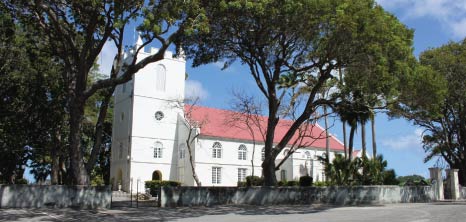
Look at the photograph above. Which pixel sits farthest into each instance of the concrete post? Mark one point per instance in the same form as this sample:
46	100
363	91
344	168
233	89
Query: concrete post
437	183
453	183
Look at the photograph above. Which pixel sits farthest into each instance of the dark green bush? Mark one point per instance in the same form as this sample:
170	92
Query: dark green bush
254	181
322	184
281	183
21	181
305	181
292	183
242	184
154	185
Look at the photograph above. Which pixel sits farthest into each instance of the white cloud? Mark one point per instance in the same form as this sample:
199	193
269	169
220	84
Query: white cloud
451	14
408	141
106	57
194	89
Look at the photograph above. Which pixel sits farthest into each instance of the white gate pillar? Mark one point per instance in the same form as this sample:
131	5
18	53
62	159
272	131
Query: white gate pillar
453	183
437	183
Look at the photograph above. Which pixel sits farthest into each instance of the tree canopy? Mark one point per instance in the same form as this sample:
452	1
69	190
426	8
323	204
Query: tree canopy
434	99
75	33
292	48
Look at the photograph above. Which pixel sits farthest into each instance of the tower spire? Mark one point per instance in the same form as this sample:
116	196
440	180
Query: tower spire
139	42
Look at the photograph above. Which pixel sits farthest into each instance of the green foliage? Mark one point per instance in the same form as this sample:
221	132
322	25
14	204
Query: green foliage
305	181
89	26
21	181
342	171
292	183
389	177
97	181
359	171
442	113
322	183
31	100
413	180
154	185
241	184
254	181
373	170
293	48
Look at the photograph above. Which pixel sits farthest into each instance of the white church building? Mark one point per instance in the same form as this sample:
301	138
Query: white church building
150	134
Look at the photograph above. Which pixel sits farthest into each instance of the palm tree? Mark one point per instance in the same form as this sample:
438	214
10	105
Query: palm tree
353	110
374	144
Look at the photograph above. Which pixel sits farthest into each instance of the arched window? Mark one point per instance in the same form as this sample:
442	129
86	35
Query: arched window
285	152
217	150
308	155
242	150
182	151
156	175
263	154
158	147
160	78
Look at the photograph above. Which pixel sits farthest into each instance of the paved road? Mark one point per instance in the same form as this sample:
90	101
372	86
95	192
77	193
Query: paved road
444	212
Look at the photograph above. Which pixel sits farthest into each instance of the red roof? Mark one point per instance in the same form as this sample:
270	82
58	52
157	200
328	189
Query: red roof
231	125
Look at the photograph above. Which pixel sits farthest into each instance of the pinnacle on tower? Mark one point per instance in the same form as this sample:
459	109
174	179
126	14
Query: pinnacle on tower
138	41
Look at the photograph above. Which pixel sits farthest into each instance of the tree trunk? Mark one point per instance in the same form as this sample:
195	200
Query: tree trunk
78	170
345	148
99	128
374	144
55	168
363	138
327	139
351	139
191	159
54	154
268	171
252	157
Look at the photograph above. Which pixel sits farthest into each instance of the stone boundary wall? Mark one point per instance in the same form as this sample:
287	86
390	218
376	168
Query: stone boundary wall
37	196
208	196
463	193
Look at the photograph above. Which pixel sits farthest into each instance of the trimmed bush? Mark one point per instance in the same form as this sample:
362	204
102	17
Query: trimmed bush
305	181
281	183
241	184
154	185
292	183
321	184
21	181
254	181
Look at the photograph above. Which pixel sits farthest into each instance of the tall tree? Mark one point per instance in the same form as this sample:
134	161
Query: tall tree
31	102
374	143
302	40
442	114
76	32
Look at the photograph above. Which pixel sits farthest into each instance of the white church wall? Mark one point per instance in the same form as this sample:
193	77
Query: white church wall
146	81
145	123
120	136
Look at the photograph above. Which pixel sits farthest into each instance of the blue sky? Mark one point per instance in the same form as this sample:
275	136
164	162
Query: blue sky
436	22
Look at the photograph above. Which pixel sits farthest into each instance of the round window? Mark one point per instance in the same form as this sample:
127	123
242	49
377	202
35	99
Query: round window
159	115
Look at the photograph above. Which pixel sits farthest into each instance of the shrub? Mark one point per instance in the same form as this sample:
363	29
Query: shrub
254	181
241	184
154	185
305	181
292	183
281	183
21	181
321	184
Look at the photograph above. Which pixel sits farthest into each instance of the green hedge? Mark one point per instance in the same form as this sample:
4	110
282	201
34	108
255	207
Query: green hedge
254	181
242	184
154	185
